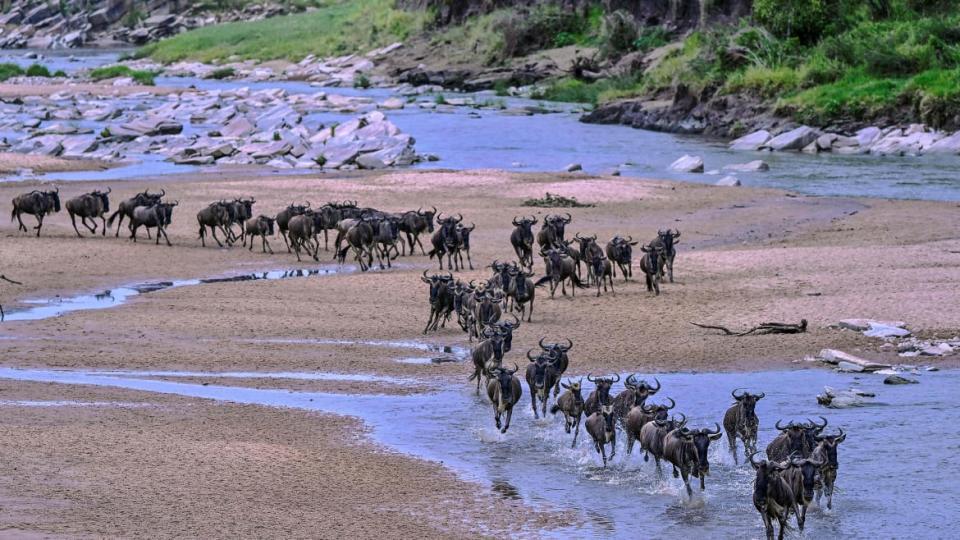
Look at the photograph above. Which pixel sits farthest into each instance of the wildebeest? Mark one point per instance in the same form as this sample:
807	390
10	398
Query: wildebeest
522	240
801	475
441	300
588	248
463	241
361	237
486	309
487	355
446	241
541	375
385	239
240	211
741	421
89	206
570	403
650	265
416	222
522	291
826	452
559	269
642	415
601	429
562	359
667	240
300	233
261	226
634	394
159	215
602	272
620	252
126	207
794	439
504	392
284	216
215	216
36	203
686	450
601	394
652	435
772	496
552	231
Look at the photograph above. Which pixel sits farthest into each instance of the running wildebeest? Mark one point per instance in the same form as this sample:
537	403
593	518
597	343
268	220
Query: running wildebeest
522	291
772	496
504	392
89	206
686	450
620	252
36	203
261	226
416	222
559	269
652	435
240	211
642	415
284	216
601	394
650	266
588	248
741	421
486	356
522	240
570	403
552	231
300	233
634	394
667	241
126	207
601	429
794	440
602	272
216	215
159	215
541	376
562	361
446	242
463	240
826	452
441	300
801	475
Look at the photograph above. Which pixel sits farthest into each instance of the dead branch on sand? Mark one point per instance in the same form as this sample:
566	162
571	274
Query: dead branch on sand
8	280
762	329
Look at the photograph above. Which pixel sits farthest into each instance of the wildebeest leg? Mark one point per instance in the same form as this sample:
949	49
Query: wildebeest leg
496	416
419	243
296	248
119	222
39	224
782	518
21	226
576	431
133	231
670	269
92	226
630	441
767	524
73	220
103	228
507	425
285	240
533	403
686	483
529	313
613	444
214	234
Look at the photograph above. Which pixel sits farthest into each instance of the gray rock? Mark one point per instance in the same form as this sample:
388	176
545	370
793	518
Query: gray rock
339	155
573	167
795	139
946	145
728	181
370	161
392	104
238	127
757	165
752	141
151	126
833	356
688	163
194	160
896	379
79	146
867	136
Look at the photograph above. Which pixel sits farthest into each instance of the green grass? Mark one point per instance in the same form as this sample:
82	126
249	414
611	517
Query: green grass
38	70
8	71
113	72
222	73
574	91
340	27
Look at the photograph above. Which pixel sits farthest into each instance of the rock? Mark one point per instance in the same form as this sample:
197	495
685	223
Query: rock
339	155
729	181
38	13
825	142
833	356
811	148
849	367
370	161
867	136
688	163
842	399
885	331
573	167
946	145
151	125
238	127
392	104
40	42
896	379
267	150
194	160
752	141
79	145
795	139
757	165
862	325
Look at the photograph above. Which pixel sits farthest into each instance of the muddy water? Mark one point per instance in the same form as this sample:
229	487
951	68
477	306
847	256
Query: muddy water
895	466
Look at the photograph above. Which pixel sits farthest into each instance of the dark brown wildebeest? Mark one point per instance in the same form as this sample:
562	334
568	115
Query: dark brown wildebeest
634	394
570	403
261	226
126	207
588	247
794	440
385	238
89	206
541	376
826	452
642	415
650	265
441	300
215	216
504	392
284	216
563	360
801	475
300	233
686	450
602	272
522	240
37	204
772	496
159	215
667	241
601	429
446	242
463	241
487	355
559	269
652	435
552	231
240	211
601	394
620	251
741	421
522	291
416	222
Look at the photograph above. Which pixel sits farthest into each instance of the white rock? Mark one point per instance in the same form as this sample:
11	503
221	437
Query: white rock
757	165
833	356
751	141
867	136
795	139
392	104
573	167
688	163
728	181
946	145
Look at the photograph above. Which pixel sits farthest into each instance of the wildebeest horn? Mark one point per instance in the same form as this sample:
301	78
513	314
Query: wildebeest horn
568	346
534	220
594	238
842	437
569	218
515	224
629	239
425	279
629	382
516	321
177	203
676	235
617	375
761	395
648	410
820	426
715	432
459	218
515	368
542	346
734	394
653	390
590	377
434	209
672	404
528	355
109	189
162	192
784	427
682	422
438	217
752	462
577	237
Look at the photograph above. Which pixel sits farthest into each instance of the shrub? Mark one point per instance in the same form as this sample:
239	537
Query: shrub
361	81
501	88
60	73
222	73
650	38
618	34
9	70
802	19
112	72
523	33
37	70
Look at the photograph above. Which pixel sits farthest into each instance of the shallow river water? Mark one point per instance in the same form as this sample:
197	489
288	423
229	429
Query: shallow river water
895	476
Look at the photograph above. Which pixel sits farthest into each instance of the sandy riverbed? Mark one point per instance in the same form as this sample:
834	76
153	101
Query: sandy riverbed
11	162
746	256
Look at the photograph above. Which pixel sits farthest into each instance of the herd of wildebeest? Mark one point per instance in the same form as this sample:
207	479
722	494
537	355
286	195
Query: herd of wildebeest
801	461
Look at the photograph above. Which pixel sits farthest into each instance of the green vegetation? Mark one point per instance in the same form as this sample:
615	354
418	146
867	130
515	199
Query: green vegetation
552	200
361	81
572	90
112	72
8	70
60	73
222	73
37	70
339	27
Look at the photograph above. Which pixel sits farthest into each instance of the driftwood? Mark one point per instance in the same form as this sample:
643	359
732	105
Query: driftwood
8	280
763	328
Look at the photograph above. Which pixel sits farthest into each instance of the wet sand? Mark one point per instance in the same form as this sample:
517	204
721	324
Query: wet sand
8	90
746	256
12	162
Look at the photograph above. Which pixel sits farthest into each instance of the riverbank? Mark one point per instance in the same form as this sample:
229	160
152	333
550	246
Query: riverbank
11	163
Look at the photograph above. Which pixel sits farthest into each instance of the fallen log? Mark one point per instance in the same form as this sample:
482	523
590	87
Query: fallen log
8	280
761	329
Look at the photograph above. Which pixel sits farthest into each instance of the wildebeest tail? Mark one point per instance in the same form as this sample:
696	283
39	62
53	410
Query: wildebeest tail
554	409
541	281
111	218
13	213
431	253
576	281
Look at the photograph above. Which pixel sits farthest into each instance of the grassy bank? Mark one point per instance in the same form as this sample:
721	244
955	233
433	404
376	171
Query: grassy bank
339	27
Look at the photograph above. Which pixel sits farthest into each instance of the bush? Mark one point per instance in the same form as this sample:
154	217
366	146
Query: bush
650	38
361	81
523	33
802	19
618	34
37	70
9	70
60	73
113	72
222	73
